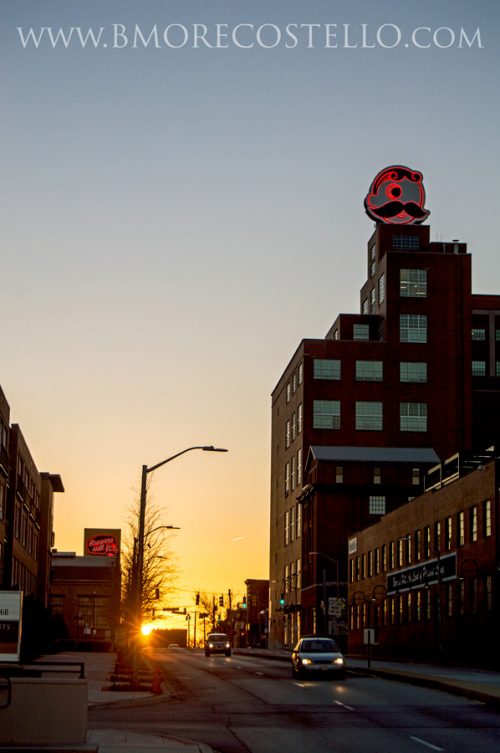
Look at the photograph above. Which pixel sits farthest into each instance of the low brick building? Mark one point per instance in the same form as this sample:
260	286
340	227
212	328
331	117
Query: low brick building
85	600
426	577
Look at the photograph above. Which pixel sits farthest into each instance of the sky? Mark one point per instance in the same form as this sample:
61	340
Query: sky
180	212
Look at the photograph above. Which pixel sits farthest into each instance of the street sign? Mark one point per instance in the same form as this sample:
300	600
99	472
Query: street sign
335	607
11	607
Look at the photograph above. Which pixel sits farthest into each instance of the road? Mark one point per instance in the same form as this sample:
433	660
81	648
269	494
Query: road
248	704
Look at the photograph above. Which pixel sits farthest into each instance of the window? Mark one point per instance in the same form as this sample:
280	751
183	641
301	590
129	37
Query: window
381	289
364	306
287	435
488	592
301	373
361	332
413	283
326	368
415	476
416	545
287	527
339	475
369	371
413	371
293	471
292	524
478	333
369	416
384	557
299	520
473	523
373	300
294	382
299	419
288	392
449	533
56	603
427	541
326	414
487	517
413	328
497	368
478	368
287	478
437	536
413	416
294	426
373	252
376	504
377	475
406	242
299	467
461	528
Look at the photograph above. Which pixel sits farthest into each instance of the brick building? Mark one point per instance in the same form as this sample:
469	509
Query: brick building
415	375
426	577
85	598
26	513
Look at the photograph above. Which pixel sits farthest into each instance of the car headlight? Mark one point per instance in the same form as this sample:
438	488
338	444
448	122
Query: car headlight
210	645
338	660
228	645
306	661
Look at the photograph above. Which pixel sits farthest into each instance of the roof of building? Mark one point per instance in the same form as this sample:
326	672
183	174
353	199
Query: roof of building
374	454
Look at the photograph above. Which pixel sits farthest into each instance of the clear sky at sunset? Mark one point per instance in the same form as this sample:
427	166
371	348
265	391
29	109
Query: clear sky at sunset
178	216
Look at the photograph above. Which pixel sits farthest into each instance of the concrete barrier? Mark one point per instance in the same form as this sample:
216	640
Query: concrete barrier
42	711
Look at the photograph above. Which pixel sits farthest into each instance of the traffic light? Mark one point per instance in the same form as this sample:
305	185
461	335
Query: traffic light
197	599
282	600
221	600
244	603
157	593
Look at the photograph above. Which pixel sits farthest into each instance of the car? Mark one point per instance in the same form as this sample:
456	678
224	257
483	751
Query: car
218	643
317	654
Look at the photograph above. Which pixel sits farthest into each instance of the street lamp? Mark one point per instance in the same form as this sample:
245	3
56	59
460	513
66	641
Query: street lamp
336	563
142	516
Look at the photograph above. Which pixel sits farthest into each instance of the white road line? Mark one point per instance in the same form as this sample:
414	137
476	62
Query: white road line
260	673
349	708
424	742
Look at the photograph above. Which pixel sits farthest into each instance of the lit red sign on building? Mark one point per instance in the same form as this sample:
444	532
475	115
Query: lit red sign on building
102	543
397	197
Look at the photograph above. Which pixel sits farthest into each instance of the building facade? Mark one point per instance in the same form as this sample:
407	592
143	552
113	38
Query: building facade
26	514
85	600
425	579
418	369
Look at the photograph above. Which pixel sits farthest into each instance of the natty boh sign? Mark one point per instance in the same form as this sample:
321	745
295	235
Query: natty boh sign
101	542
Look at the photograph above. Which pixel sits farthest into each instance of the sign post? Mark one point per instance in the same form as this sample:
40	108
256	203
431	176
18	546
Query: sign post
11	609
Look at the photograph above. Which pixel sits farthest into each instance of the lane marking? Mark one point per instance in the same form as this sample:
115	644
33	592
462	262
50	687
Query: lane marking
260	673
424	742
349	708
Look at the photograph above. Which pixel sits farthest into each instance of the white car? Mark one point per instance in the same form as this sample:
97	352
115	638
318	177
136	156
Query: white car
317	654
217	643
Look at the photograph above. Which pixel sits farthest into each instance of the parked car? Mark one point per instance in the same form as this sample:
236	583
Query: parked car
317	654
217	643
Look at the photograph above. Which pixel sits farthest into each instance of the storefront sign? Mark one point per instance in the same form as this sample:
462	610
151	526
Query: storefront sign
426	574
397	197
11	607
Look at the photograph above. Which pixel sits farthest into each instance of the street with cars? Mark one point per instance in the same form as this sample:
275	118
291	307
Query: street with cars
249	703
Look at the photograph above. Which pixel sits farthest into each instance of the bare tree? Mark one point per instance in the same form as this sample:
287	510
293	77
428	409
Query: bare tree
159	567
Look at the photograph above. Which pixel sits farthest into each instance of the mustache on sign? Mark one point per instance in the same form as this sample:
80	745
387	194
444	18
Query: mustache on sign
392	208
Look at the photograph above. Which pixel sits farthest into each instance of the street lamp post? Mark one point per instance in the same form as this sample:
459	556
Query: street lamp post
142	518
325	608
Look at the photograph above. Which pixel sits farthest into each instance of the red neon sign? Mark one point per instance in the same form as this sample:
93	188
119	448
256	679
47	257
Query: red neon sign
397	197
